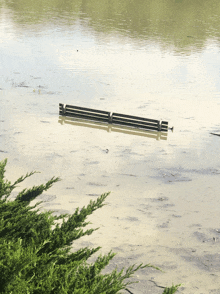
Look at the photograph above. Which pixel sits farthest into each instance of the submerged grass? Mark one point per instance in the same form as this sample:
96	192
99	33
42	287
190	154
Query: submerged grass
36	259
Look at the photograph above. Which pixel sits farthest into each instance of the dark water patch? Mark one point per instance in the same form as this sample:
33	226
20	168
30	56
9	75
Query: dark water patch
132	219
164	225
213	237
206	262
46	197
53	155
92	162
42	87
52	204
16	133
178	170
217	231
195	225
167	205
86	244
117	249
169	265
96	184
201	237
21	85
172	178
215	291
59	212
161	202
130	175
159	199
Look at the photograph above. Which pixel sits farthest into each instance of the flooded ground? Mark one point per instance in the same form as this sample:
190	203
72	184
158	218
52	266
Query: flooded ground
164	203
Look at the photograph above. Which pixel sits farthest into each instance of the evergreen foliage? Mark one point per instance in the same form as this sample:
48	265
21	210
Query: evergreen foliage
171	290
36	259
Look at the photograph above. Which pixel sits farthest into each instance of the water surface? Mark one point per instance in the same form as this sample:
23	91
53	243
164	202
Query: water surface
155	59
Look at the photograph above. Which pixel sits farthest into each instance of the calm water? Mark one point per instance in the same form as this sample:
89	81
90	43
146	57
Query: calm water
156	59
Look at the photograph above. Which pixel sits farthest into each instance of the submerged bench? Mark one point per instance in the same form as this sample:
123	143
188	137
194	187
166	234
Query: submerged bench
113	118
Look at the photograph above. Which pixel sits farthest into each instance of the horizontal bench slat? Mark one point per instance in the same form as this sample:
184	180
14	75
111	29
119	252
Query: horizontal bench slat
133	117
71	111
88	117
114	120
87	109
137	125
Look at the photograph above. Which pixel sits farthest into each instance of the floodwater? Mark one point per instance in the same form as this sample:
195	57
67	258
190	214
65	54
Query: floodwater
155	59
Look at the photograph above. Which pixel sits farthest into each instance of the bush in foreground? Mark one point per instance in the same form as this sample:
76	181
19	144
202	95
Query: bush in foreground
35	249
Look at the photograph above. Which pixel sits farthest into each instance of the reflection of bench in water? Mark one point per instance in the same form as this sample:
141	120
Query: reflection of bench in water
111	128
113	118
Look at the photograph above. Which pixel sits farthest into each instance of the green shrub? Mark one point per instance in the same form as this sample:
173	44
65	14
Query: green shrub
35	258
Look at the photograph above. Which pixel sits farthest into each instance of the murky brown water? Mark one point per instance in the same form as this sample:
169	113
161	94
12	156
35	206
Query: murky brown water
153	59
